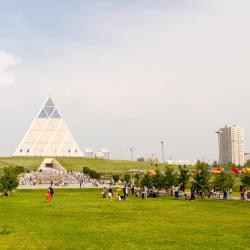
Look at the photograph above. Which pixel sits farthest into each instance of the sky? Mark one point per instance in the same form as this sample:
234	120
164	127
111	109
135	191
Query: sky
127	73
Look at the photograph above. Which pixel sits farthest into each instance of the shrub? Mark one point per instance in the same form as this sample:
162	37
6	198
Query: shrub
223	181
245	179
201	177
8	180
116	177
19	169
137	180
170	178
91	173
127	178
147	181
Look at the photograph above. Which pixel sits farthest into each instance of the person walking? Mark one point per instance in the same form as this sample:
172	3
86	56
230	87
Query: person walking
192	197
224	195
176	189
48	196
81	182
145	192
51	191
241	193
110	194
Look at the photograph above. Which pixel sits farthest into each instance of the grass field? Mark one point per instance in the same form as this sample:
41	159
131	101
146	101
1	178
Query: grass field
78	163
81	219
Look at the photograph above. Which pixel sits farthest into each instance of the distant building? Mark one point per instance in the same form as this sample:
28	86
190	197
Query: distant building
88	152
102	153
246	157
182	162
151	159
141	159
231	145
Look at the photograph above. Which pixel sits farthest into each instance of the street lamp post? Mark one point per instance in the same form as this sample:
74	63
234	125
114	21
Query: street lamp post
162	151
131	153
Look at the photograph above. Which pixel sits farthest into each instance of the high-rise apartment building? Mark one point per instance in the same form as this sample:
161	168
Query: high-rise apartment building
231	145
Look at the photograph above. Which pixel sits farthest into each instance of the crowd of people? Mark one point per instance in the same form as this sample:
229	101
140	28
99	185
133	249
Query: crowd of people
66	178
58	178
122	193
144	192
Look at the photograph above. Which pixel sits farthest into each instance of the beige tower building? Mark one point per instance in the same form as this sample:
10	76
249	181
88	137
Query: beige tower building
231	145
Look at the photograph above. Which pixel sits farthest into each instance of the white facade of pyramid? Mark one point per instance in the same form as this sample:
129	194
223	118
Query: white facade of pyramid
48	135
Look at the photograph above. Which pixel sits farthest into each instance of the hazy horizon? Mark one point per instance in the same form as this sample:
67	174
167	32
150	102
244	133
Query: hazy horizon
127	73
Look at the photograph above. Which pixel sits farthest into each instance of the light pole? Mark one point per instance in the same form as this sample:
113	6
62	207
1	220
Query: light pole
131	153
162	151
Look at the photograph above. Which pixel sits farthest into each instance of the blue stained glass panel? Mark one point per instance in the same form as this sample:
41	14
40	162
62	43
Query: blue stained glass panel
42	114
49	110
55	114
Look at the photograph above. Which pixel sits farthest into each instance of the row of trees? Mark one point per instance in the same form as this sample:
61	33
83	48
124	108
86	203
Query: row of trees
166	179
200	179
230	164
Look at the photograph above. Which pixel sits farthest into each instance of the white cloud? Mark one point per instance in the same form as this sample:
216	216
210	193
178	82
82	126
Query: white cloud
7	60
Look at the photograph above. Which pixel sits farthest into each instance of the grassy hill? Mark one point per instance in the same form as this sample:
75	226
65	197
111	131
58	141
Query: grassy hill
78	163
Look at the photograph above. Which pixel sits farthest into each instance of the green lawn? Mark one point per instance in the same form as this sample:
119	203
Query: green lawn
78	163
81	219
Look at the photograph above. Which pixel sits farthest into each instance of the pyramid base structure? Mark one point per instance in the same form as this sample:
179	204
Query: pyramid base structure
50	164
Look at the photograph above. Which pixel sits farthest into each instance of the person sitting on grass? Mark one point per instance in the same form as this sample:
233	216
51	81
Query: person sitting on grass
136	192
121	198
104	193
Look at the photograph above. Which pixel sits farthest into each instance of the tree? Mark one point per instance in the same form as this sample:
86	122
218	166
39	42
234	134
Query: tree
19	169
137	180
183	177
147	181
91	173
245	179
247	164
127	178
223	181
116	177
8	180
158	180
170	178
215	164
201	177
98	176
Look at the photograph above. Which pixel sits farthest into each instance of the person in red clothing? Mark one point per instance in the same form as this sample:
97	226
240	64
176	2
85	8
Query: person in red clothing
48	196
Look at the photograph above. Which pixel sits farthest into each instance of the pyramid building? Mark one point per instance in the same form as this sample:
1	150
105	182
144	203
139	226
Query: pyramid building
48	135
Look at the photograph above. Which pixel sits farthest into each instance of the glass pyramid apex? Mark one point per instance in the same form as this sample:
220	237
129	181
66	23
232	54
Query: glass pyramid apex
49	110
49	103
